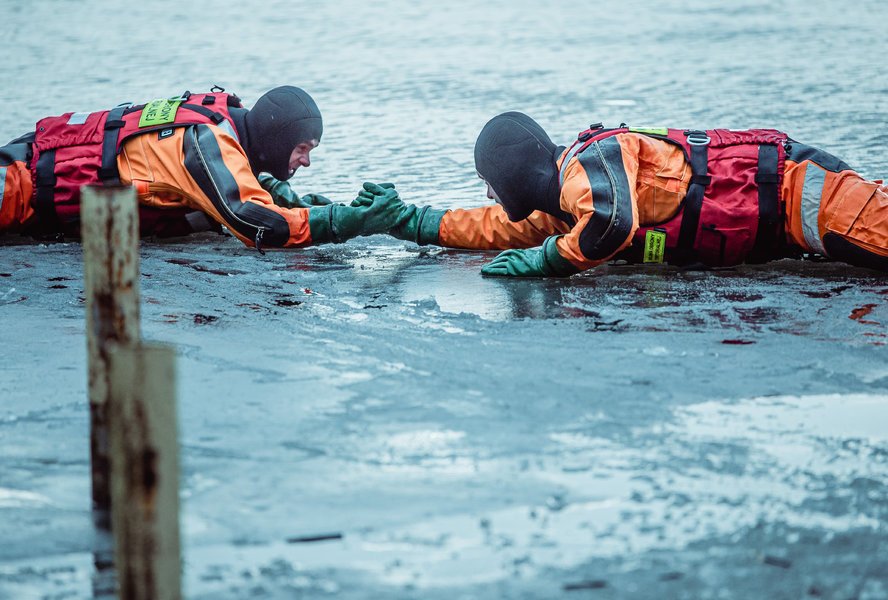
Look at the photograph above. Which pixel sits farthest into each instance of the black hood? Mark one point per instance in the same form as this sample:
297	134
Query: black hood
280	120
516	157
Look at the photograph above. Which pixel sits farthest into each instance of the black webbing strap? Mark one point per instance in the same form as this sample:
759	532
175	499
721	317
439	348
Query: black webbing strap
769	218
44	194
108	173
693	202
203	110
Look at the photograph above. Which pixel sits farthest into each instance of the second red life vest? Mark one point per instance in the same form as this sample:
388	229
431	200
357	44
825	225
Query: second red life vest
732	212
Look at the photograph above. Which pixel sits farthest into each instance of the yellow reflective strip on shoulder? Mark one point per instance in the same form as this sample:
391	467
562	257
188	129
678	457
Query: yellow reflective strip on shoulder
650	130
654	246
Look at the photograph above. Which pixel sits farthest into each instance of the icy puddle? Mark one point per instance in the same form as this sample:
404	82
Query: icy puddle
715	470
760	419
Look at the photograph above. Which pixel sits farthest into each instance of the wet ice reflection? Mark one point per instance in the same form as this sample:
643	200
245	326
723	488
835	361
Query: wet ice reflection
457	288
421	450
10	498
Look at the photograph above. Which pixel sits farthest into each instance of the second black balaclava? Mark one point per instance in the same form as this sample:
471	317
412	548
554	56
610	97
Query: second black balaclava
516	157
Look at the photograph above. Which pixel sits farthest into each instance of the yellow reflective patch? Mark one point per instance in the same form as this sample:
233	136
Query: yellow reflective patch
650	130
654	246
159	112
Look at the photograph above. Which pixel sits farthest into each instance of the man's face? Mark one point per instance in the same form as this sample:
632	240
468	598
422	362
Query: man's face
490	192
299	157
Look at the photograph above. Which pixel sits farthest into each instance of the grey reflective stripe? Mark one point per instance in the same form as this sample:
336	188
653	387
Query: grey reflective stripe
2	185
811	192
227	128
567	157
78	118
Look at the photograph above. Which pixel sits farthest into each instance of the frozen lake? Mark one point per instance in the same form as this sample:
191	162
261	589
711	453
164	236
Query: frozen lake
634	432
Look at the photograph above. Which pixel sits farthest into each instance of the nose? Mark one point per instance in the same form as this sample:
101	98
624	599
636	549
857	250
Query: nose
489	192
305	161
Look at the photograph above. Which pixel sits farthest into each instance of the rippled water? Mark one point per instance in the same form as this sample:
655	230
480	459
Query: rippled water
406	86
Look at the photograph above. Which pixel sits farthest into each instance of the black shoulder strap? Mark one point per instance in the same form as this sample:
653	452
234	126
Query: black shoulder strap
693	202
44	194
767	236
108	173
203	110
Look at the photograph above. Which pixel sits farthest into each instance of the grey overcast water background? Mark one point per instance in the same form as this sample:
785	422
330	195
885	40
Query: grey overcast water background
629	433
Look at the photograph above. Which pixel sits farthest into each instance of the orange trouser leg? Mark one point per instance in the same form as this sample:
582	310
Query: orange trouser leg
833	211
856	229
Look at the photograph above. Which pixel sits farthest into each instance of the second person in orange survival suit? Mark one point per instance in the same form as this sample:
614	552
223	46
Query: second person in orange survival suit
189	158
716	197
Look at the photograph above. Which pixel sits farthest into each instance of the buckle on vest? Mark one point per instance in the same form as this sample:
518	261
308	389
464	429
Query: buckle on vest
697	138
584	136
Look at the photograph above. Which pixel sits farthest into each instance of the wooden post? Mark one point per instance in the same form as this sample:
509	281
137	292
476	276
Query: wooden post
110	232
144	472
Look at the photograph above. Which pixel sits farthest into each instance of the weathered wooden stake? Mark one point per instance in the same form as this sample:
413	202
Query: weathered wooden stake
144	472
110	232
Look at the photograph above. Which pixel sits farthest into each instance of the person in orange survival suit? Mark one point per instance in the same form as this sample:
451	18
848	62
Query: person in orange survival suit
196	161
717	197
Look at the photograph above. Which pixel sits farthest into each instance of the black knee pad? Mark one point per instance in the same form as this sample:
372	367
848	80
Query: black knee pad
838	248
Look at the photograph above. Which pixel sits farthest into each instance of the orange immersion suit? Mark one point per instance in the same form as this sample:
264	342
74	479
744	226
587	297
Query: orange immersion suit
186	178
826	208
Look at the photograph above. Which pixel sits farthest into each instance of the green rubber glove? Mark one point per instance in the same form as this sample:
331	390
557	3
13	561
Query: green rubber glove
420	224
366	197
284	196
544	261
365	216
315	200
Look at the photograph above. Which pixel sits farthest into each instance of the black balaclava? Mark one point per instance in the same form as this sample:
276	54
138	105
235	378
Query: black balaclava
516	157
280	120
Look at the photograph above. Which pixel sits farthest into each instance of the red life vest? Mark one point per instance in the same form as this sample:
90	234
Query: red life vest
77	149
732	212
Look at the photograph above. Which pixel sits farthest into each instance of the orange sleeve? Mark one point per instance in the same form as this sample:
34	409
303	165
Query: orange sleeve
488	228
16	189
204	168
607	219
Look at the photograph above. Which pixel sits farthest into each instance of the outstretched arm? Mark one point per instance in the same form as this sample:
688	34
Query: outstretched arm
484	228
488	228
